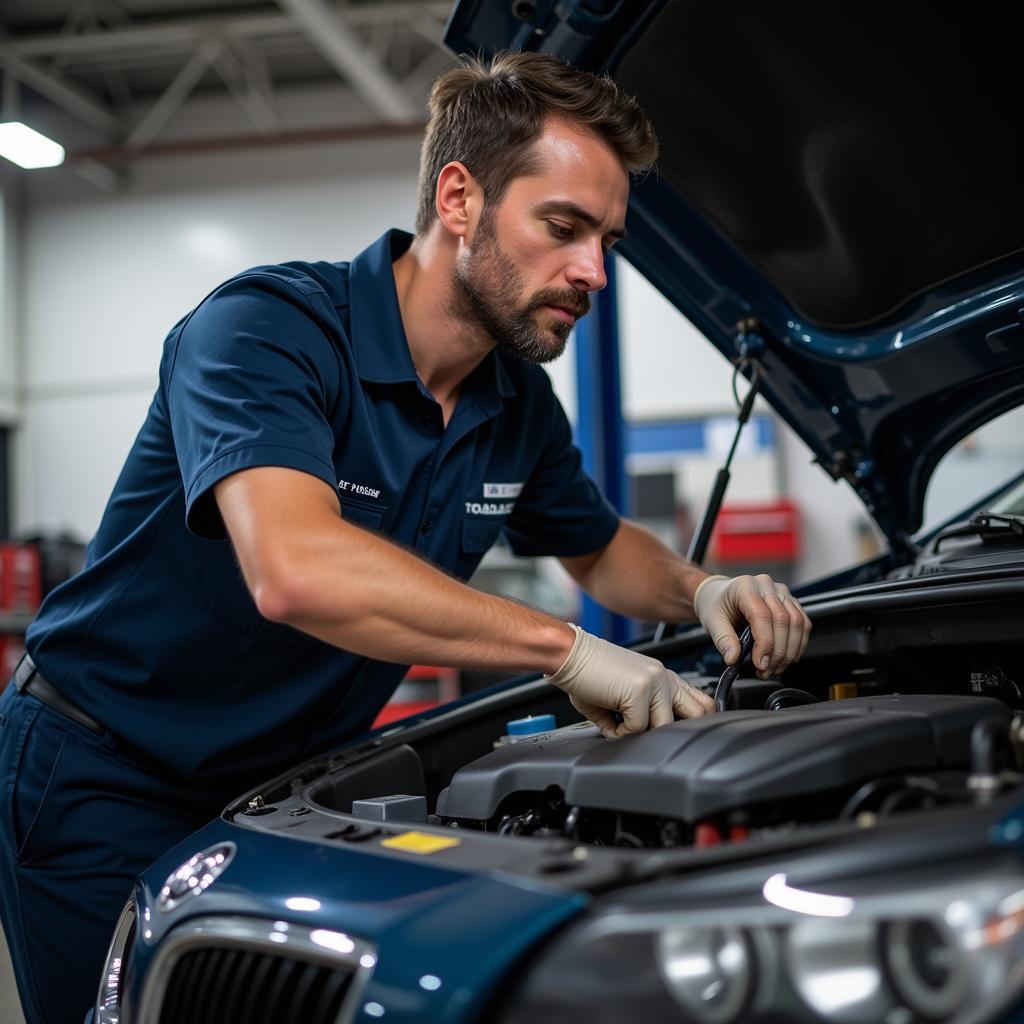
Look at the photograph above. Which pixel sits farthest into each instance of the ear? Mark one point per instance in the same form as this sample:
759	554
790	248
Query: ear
458	199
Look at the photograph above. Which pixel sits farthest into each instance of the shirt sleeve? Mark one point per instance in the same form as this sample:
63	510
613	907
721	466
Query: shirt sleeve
252	375
560	510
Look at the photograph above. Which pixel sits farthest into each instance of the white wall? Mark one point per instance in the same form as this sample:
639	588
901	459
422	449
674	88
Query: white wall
670	369
979	464
108	275
10	291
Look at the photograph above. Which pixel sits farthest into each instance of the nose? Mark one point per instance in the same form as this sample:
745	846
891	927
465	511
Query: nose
586	271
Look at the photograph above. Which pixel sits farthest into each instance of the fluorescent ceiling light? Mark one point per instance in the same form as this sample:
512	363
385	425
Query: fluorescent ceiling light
27	148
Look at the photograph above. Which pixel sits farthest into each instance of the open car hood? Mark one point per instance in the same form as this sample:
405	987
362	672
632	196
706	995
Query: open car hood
846	180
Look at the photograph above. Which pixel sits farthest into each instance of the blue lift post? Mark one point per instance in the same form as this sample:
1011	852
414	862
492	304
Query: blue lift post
600	431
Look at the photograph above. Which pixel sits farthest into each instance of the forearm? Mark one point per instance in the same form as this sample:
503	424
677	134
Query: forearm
369	596
639	576
308	568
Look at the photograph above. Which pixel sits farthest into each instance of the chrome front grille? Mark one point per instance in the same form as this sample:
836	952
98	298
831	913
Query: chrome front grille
213	986
229	970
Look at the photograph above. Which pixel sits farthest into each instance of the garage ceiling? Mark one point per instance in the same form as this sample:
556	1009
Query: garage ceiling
123	70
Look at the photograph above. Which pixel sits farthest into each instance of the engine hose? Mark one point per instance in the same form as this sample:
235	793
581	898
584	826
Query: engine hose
870	788
730	674
914	789
788	697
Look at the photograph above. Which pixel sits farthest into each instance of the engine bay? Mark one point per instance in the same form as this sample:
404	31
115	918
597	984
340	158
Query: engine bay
907	708
729	776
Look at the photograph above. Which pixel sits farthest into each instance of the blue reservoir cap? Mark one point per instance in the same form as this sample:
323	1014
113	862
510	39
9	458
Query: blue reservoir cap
530	725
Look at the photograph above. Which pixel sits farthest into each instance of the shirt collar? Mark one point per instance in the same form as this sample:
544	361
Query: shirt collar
378	336
379	343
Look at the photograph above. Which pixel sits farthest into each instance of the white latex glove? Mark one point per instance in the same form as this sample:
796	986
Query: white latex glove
780	626
600	678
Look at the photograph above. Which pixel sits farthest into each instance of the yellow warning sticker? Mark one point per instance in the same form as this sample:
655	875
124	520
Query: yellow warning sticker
419	842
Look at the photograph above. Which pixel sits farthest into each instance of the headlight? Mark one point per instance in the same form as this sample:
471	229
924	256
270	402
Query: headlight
708	971
110	997
950	951
196	875
923	963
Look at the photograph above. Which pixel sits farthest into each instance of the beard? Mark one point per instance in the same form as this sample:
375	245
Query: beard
487	287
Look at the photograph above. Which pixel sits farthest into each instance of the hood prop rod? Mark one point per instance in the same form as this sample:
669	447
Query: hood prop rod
748	343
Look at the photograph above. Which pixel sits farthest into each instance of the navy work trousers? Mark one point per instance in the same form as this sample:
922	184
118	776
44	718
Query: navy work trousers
80	818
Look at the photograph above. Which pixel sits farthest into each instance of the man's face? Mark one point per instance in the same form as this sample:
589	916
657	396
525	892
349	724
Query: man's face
524	275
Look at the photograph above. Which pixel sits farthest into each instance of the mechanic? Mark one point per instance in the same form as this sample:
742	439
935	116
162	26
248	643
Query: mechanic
331	449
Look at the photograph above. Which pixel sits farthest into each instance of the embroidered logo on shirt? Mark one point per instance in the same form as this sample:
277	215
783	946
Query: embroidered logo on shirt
347	487
495	508
489	508
503	490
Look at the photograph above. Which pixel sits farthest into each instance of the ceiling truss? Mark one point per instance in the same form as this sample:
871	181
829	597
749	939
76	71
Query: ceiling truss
123	78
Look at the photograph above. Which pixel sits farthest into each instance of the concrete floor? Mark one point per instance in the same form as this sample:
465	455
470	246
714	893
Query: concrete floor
10	1006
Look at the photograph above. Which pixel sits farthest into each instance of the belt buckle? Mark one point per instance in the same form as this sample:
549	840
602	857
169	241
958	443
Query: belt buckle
24	672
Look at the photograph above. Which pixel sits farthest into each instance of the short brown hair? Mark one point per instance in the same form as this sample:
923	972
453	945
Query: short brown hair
486	116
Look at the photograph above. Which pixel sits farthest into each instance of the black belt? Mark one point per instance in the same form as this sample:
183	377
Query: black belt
28	680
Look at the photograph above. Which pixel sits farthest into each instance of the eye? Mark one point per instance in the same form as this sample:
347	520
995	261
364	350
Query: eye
613	240
563	232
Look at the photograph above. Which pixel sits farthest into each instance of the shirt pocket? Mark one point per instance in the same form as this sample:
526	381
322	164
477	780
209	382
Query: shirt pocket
370	517
479	535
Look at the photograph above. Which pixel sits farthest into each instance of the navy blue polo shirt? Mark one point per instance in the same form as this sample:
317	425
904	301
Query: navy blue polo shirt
303	365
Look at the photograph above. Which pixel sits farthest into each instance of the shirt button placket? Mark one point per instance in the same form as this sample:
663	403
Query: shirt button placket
431	419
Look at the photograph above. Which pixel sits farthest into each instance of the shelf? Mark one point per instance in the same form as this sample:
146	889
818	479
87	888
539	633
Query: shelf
15	622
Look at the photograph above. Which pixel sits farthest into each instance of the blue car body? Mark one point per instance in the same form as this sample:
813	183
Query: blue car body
421	920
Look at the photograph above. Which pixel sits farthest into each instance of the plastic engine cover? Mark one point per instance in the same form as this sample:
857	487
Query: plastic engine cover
699	767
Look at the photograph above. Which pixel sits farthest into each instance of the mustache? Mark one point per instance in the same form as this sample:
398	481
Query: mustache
569	298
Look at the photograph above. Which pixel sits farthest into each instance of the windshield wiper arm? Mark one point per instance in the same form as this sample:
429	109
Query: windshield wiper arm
984	524
997	523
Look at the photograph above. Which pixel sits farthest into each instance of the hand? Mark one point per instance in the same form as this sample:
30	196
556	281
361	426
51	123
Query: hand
780	626
600	678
